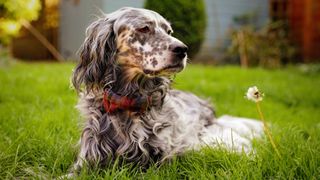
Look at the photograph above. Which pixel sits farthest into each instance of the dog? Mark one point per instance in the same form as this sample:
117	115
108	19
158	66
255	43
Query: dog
123	79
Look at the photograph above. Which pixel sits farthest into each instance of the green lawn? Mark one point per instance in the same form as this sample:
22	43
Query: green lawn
39	126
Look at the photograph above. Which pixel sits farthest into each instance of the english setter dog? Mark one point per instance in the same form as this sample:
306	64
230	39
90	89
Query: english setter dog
124	82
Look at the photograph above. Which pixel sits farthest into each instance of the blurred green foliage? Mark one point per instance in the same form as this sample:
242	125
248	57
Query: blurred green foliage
188	18
11	12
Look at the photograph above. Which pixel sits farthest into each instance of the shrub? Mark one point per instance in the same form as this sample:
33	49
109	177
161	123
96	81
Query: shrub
188	19
12	12
267	46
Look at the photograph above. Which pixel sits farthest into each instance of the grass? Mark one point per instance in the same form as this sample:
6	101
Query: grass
39	126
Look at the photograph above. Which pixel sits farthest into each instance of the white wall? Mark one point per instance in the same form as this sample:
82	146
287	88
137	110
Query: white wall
74	19
112	5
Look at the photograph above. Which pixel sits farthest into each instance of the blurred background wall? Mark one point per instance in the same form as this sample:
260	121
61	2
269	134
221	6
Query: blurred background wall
63	23
75	17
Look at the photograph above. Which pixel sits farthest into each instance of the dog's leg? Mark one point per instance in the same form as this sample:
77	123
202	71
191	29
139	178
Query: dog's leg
233	133
95	145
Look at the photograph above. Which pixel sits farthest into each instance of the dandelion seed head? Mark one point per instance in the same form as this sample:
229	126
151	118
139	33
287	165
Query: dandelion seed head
253	94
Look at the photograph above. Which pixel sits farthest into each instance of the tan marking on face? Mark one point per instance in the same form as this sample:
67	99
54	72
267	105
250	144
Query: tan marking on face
127	55
131	72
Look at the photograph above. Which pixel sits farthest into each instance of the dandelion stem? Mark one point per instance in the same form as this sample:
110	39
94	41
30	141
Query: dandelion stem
266	129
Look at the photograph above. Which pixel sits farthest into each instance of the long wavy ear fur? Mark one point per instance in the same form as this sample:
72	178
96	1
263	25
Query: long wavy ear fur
97	57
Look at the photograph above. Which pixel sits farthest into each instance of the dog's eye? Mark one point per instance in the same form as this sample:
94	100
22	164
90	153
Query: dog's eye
145	29
169	32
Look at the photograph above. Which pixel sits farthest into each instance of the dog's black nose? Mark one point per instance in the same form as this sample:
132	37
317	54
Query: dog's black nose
180	50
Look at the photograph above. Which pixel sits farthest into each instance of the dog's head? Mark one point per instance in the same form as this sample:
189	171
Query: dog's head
134	41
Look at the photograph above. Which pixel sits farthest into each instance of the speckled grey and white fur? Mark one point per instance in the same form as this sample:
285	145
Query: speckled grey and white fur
131	51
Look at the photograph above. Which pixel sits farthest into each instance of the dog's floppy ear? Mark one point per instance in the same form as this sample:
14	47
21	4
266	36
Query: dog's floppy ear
97	56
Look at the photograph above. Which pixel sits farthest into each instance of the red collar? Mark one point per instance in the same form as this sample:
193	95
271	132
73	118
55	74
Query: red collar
113	102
